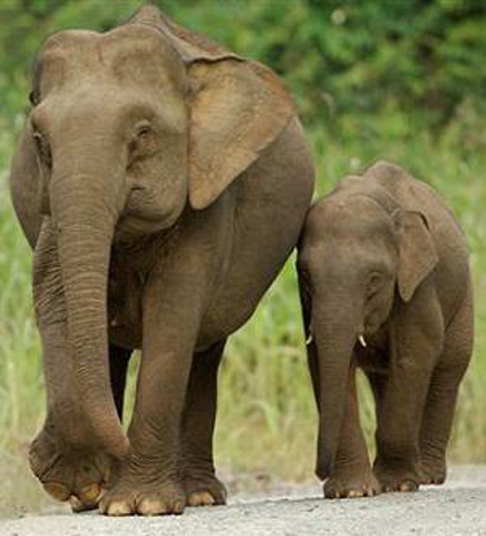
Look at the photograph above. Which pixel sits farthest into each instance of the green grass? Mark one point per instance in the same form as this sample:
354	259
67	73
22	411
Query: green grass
266	419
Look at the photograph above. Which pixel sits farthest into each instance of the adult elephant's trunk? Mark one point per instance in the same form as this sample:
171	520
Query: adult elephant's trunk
85	216
335	331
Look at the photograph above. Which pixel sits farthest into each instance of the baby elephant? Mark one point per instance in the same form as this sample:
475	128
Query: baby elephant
385	285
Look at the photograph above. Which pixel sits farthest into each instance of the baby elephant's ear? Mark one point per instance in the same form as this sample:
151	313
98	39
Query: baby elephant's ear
417	253
238	108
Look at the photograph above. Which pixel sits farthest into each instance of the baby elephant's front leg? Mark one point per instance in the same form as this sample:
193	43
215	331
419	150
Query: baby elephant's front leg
352	475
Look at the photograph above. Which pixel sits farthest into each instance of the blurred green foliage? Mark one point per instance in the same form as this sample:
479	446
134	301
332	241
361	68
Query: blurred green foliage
347	62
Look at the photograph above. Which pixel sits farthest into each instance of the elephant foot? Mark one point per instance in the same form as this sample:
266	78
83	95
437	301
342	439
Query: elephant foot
396	478
433	472
204	491
133	496
352	486
78	476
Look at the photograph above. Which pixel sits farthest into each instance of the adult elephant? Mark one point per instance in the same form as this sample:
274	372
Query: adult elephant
162	182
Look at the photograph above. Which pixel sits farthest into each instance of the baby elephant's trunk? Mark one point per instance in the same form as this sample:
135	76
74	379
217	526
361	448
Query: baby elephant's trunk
335	335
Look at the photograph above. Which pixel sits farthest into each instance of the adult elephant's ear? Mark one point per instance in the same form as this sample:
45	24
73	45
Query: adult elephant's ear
417	252
237	108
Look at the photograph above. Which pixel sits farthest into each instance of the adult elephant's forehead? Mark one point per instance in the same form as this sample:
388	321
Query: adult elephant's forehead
136	52
140	51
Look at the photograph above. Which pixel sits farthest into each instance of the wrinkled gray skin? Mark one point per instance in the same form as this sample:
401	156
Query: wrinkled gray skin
162	182
385	285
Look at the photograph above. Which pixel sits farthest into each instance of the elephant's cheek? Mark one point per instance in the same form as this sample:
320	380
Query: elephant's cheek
378	314
130	227
148	211
373	322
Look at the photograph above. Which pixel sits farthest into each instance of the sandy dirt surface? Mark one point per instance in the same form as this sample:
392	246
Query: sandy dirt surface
457	508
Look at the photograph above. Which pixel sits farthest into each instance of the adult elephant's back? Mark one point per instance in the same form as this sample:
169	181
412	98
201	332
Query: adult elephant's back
271	201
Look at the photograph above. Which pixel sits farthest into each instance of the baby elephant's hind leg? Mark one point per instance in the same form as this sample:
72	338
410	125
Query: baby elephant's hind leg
201	486
441	400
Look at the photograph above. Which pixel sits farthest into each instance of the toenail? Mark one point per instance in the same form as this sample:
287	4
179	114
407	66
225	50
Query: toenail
201	498
118	509
149	507
179	507
90	494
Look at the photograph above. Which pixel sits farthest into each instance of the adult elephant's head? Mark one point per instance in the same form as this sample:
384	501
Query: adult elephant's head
127	128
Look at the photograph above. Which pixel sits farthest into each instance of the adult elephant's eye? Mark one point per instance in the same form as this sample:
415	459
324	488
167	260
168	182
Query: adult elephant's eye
143	140
144	132
43	149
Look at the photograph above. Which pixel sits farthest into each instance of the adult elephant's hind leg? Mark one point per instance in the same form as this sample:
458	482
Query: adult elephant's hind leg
201	486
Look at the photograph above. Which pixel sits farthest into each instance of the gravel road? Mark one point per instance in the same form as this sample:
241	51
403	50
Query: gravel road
457	508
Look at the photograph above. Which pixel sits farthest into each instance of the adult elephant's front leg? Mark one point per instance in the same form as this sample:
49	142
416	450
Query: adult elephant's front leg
149	481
